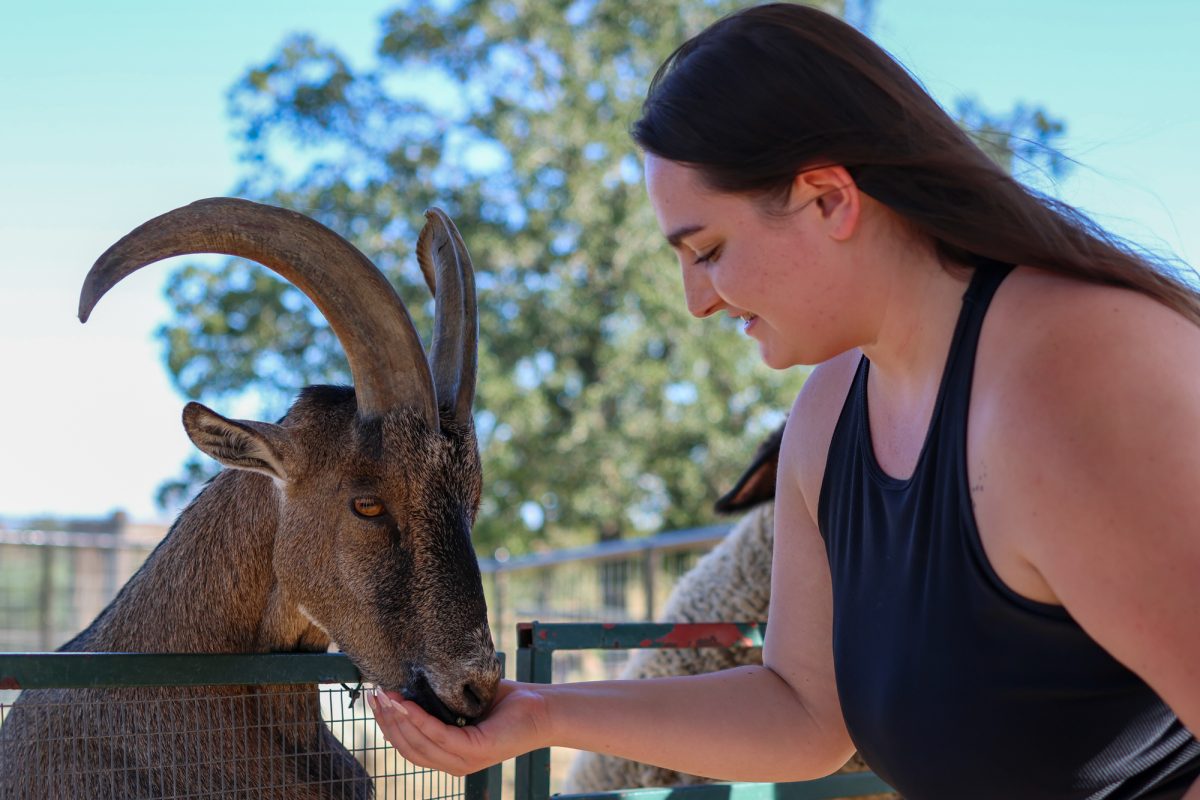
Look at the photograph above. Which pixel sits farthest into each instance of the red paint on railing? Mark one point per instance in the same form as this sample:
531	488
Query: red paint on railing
710	634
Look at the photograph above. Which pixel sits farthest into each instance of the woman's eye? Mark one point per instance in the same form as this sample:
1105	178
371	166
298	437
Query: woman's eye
367	506
708	256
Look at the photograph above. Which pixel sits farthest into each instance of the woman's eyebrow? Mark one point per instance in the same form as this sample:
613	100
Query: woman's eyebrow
675	238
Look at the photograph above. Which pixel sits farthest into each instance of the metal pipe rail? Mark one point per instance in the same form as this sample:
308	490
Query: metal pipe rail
667	542
616	581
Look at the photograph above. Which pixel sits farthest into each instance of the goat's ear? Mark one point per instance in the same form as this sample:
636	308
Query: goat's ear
239	443
757	484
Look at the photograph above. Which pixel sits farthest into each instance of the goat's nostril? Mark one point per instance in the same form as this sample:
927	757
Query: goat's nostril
471	695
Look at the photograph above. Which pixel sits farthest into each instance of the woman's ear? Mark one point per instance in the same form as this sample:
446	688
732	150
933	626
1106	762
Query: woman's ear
836	196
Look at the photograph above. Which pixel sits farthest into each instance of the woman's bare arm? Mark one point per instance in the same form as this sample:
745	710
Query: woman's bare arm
781	721
1093	449
775	722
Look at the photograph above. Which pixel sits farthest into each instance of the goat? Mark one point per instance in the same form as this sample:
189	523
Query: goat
732	583
347	521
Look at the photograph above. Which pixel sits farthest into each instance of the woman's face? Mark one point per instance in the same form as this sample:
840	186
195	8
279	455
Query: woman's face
783	275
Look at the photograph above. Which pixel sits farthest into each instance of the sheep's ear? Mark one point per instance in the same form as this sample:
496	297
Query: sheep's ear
757	484
239	443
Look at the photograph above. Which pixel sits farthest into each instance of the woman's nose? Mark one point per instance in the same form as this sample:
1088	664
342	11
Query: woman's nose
702	298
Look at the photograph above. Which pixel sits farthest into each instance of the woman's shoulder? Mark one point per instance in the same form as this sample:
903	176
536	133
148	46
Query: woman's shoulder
1052	341
1052	298
1082	393
811	423
1084	408
825	389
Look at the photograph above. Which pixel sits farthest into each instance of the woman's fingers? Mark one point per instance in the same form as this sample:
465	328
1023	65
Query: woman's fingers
511	727
445	737
399	723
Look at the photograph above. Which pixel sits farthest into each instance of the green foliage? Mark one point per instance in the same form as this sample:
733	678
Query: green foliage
603	407
1020	140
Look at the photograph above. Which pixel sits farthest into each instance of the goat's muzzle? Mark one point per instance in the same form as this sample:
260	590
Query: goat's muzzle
469	706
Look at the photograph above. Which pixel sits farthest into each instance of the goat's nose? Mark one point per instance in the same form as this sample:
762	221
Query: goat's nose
477	696
472	700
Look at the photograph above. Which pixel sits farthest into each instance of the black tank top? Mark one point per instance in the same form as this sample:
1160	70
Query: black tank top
952	685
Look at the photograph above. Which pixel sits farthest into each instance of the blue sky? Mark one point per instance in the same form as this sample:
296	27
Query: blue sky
111	113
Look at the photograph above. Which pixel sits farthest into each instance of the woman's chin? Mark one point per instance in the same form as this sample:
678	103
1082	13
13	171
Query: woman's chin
777	357
773	358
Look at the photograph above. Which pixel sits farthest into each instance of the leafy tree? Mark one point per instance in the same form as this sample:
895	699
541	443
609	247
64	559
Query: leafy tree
603	407
1020	140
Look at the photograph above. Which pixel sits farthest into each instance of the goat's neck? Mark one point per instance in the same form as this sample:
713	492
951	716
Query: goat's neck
210	585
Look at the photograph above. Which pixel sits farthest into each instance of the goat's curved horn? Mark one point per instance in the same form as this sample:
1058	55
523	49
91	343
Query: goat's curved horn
386	358
448	272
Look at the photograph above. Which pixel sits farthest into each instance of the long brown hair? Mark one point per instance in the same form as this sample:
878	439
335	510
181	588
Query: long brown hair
770	90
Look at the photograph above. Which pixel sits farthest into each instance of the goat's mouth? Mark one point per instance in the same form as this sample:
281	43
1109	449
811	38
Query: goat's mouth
420	692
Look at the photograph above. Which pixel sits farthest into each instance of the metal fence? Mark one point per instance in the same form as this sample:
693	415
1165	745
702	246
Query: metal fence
90	725
286	726
536	772
620	581
53	583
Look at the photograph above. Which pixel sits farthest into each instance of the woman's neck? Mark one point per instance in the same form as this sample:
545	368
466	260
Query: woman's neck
913	299
916	321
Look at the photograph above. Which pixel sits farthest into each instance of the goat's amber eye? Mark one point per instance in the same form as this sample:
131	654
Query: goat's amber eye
367	506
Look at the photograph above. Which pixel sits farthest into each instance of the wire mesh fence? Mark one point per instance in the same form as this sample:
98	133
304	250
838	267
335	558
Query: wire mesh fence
146	726
54	583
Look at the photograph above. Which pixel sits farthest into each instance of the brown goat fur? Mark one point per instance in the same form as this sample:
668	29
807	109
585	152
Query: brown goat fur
348	521
242	571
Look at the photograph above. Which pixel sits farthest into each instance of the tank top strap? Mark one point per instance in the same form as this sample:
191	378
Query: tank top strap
947	425
960	364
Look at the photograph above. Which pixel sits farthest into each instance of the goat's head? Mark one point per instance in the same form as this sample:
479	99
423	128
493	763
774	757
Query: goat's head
378	486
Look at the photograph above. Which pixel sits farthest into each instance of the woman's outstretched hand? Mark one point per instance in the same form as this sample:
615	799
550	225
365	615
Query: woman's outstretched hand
517	723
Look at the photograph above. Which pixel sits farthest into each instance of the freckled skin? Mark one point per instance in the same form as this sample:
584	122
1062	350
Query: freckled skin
781	267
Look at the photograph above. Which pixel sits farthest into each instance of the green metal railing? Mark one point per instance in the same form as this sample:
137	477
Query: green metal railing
125	670
536	645
127	673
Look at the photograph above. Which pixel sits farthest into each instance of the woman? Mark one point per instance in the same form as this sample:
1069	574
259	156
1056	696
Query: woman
987	563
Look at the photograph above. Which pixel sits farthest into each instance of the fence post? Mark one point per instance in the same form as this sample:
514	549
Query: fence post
533	666
499	592
650	563
46	600
484	785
